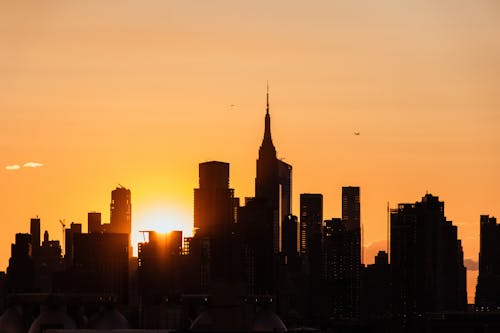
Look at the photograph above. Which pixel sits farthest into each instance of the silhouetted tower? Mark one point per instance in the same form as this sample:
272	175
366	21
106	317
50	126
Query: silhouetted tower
273	182
21	270
94	222
75	228
351	207
352	221
428	274
376	288
121	212
35	236
311	221
213	200
488	283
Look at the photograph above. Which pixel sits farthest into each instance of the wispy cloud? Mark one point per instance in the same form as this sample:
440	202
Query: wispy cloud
32	165
13	167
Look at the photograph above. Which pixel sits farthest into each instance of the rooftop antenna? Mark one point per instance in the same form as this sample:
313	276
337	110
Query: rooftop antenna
267	97
388	230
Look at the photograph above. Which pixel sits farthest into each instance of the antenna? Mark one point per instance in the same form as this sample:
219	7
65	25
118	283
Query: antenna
388	227
267	97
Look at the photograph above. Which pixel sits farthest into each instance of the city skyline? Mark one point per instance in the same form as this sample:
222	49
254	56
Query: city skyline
424	105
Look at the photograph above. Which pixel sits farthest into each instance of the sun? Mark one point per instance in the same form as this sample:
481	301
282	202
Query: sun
161	218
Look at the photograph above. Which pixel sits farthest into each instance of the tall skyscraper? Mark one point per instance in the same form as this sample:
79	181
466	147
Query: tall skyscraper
121	212
428	274
273	182
75	228
311	221
35	237
213	200
488	282
351	218
351	207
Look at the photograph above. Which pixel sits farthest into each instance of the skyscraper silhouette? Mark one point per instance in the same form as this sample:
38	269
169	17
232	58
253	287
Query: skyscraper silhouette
428	274
273	182
213	200
488	282
35	237
121	212
351	218
94	222
311	222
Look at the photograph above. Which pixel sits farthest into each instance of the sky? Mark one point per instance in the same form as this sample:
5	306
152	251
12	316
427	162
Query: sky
137	93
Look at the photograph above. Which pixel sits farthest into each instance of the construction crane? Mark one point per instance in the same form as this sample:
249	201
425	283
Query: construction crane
63	224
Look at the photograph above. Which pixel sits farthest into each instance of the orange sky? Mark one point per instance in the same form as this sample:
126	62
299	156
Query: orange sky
138	93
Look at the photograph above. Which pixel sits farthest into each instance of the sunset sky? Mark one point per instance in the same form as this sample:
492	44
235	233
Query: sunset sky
139	92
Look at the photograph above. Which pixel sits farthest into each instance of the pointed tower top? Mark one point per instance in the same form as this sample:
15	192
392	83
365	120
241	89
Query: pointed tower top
267	141
267	98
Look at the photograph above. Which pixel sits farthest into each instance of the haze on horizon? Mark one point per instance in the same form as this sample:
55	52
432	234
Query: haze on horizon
140	93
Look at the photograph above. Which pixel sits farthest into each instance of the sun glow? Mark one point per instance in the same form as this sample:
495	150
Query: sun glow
161	218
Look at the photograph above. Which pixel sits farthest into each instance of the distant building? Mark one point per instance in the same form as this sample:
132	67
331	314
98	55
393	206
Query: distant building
213	200
100	265
341	292
376	288
488	283
35	237
160	270
94	222
428	274
75	228
311	225
273	183
121	213
21	269
351	218
50	261
311	221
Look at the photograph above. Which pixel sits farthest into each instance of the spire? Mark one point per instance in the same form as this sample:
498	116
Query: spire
267	140
267	99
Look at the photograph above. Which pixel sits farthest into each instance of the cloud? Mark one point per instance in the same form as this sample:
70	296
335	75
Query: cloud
471	264
32	165
13	167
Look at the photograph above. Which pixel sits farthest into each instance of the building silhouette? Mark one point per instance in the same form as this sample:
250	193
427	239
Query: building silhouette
427	268
121	213
159	270
100	265
94	222
21	269
273	182
311	228
75	228
488	283
351	218
213	201
35	236
376	289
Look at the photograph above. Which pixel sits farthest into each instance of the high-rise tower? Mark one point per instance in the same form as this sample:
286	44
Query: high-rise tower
488	282
428	274
35	237
213	200
273	182
121	212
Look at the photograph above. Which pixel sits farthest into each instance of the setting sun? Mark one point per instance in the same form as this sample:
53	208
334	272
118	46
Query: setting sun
161	218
